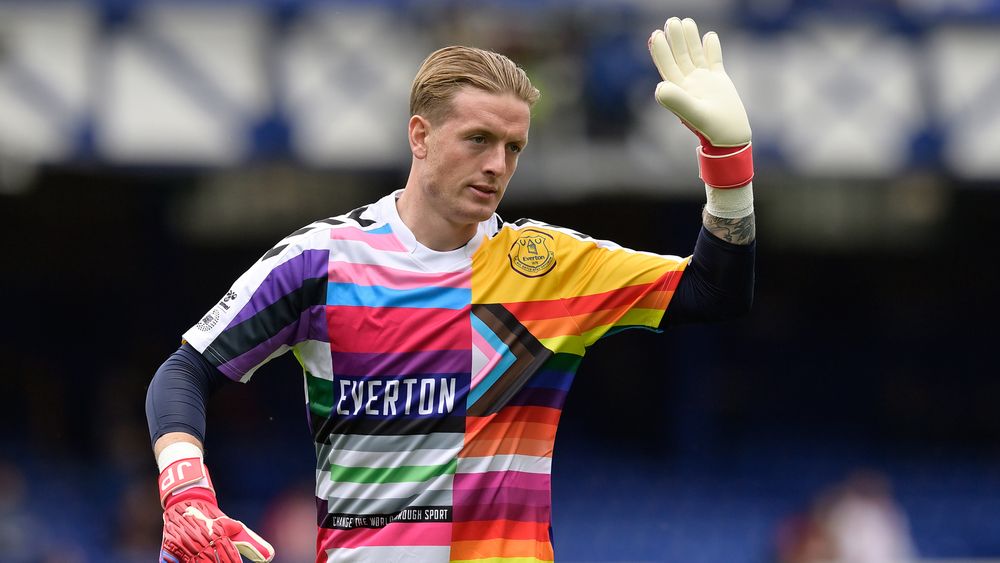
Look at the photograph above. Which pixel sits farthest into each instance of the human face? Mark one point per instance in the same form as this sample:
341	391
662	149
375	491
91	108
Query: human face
471	154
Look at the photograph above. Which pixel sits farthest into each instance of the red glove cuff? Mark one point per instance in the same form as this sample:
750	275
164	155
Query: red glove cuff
723	168
182	473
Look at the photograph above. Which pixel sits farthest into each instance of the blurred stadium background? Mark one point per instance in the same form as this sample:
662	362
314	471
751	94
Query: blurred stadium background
151	150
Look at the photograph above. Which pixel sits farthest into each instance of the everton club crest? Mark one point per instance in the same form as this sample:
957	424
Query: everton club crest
532	253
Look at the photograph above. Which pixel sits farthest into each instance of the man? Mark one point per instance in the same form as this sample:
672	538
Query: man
437	341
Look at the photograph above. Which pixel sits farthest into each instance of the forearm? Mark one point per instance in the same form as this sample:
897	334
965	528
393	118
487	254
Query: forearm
728	212
718	283
740	231
171	438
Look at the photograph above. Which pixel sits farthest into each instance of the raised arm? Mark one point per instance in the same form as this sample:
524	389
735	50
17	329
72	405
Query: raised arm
697	89
718	284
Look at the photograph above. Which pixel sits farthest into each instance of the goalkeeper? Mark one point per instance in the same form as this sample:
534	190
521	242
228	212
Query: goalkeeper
438	341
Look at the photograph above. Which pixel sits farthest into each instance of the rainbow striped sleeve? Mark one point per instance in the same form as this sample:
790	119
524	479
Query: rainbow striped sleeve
581	289
540	296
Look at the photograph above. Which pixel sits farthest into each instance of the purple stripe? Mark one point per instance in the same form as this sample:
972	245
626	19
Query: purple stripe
502	495
502	511
311	326
501	479
403	363
539	397
319	328
283	280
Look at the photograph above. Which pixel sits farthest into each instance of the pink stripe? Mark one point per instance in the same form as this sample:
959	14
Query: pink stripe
395	534
386	241
365	274
479	342
487	368
397	329
496	479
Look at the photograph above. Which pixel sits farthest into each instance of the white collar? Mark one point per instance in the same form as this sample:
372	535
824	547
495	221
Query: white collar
385	210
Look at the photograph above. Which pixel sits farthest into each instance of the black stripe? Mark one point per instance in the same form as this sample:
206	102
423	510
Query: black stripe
524	221
340	521
530	356
271	320
323	427
356	216
279	247
283	245
273	252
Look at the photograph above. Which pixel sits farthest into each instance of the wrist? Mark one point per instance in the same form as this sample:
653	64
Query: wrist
731	203
183	475
725	167
175	452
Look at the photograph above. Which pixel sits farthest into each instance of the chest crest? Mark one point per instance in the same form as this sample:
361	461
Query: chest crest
533	253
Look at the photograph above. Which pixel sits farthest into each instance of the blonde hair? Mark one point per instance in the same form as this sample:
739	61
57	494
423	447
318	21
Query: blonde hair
446	71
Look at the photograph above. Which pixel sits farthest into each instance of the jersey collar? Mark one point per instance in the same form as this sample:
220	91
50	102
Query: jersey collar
386	210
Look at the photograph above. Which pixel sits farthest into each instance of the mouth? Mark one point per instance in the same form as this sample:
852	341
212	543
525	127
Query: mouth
484	189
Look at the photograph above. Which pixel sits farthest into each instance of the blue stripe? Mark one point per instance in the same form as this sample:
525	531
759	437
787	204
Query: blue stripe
383	230
491	378
166	557
552	379
505	362
353	295
492	339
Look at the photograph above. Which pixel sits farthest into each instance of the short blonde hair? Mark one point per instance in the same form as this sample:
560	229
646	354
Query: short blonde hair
446	71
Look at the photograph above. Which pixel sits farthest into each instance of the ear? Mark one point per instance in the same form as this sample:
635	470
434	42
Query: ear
419	130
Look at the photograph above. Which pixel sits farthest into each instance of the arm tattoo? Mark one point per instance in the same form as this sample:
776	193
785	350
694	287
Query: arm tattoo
736	231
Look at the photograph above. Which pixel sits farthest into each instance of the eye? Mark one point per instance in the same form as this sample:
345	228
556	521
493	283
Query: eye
478	139
514	147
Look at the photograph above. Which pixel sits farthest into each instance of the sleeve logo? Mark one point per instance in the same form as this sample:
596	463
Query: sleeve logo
531	255
209	321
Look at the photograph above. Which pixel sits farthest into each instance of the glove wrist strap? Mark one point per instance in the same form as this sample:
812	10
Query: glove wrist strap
185	478
724	171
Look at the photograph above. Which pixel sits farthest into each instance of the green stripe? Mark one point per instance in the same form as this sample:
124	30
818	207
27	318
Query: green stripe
320	395
402	474
564	362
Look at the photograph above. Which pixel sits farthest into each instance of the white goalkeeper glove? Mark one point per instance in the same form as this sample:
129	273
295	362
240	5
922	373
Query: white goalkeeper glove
697	89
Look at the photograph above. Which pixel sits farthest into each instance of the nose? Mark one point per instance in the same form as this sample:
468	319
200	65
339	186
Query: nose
495	163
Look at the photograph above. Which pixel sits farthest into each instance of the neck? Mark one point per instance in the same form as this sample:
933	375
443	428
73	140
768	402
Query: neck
429	227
